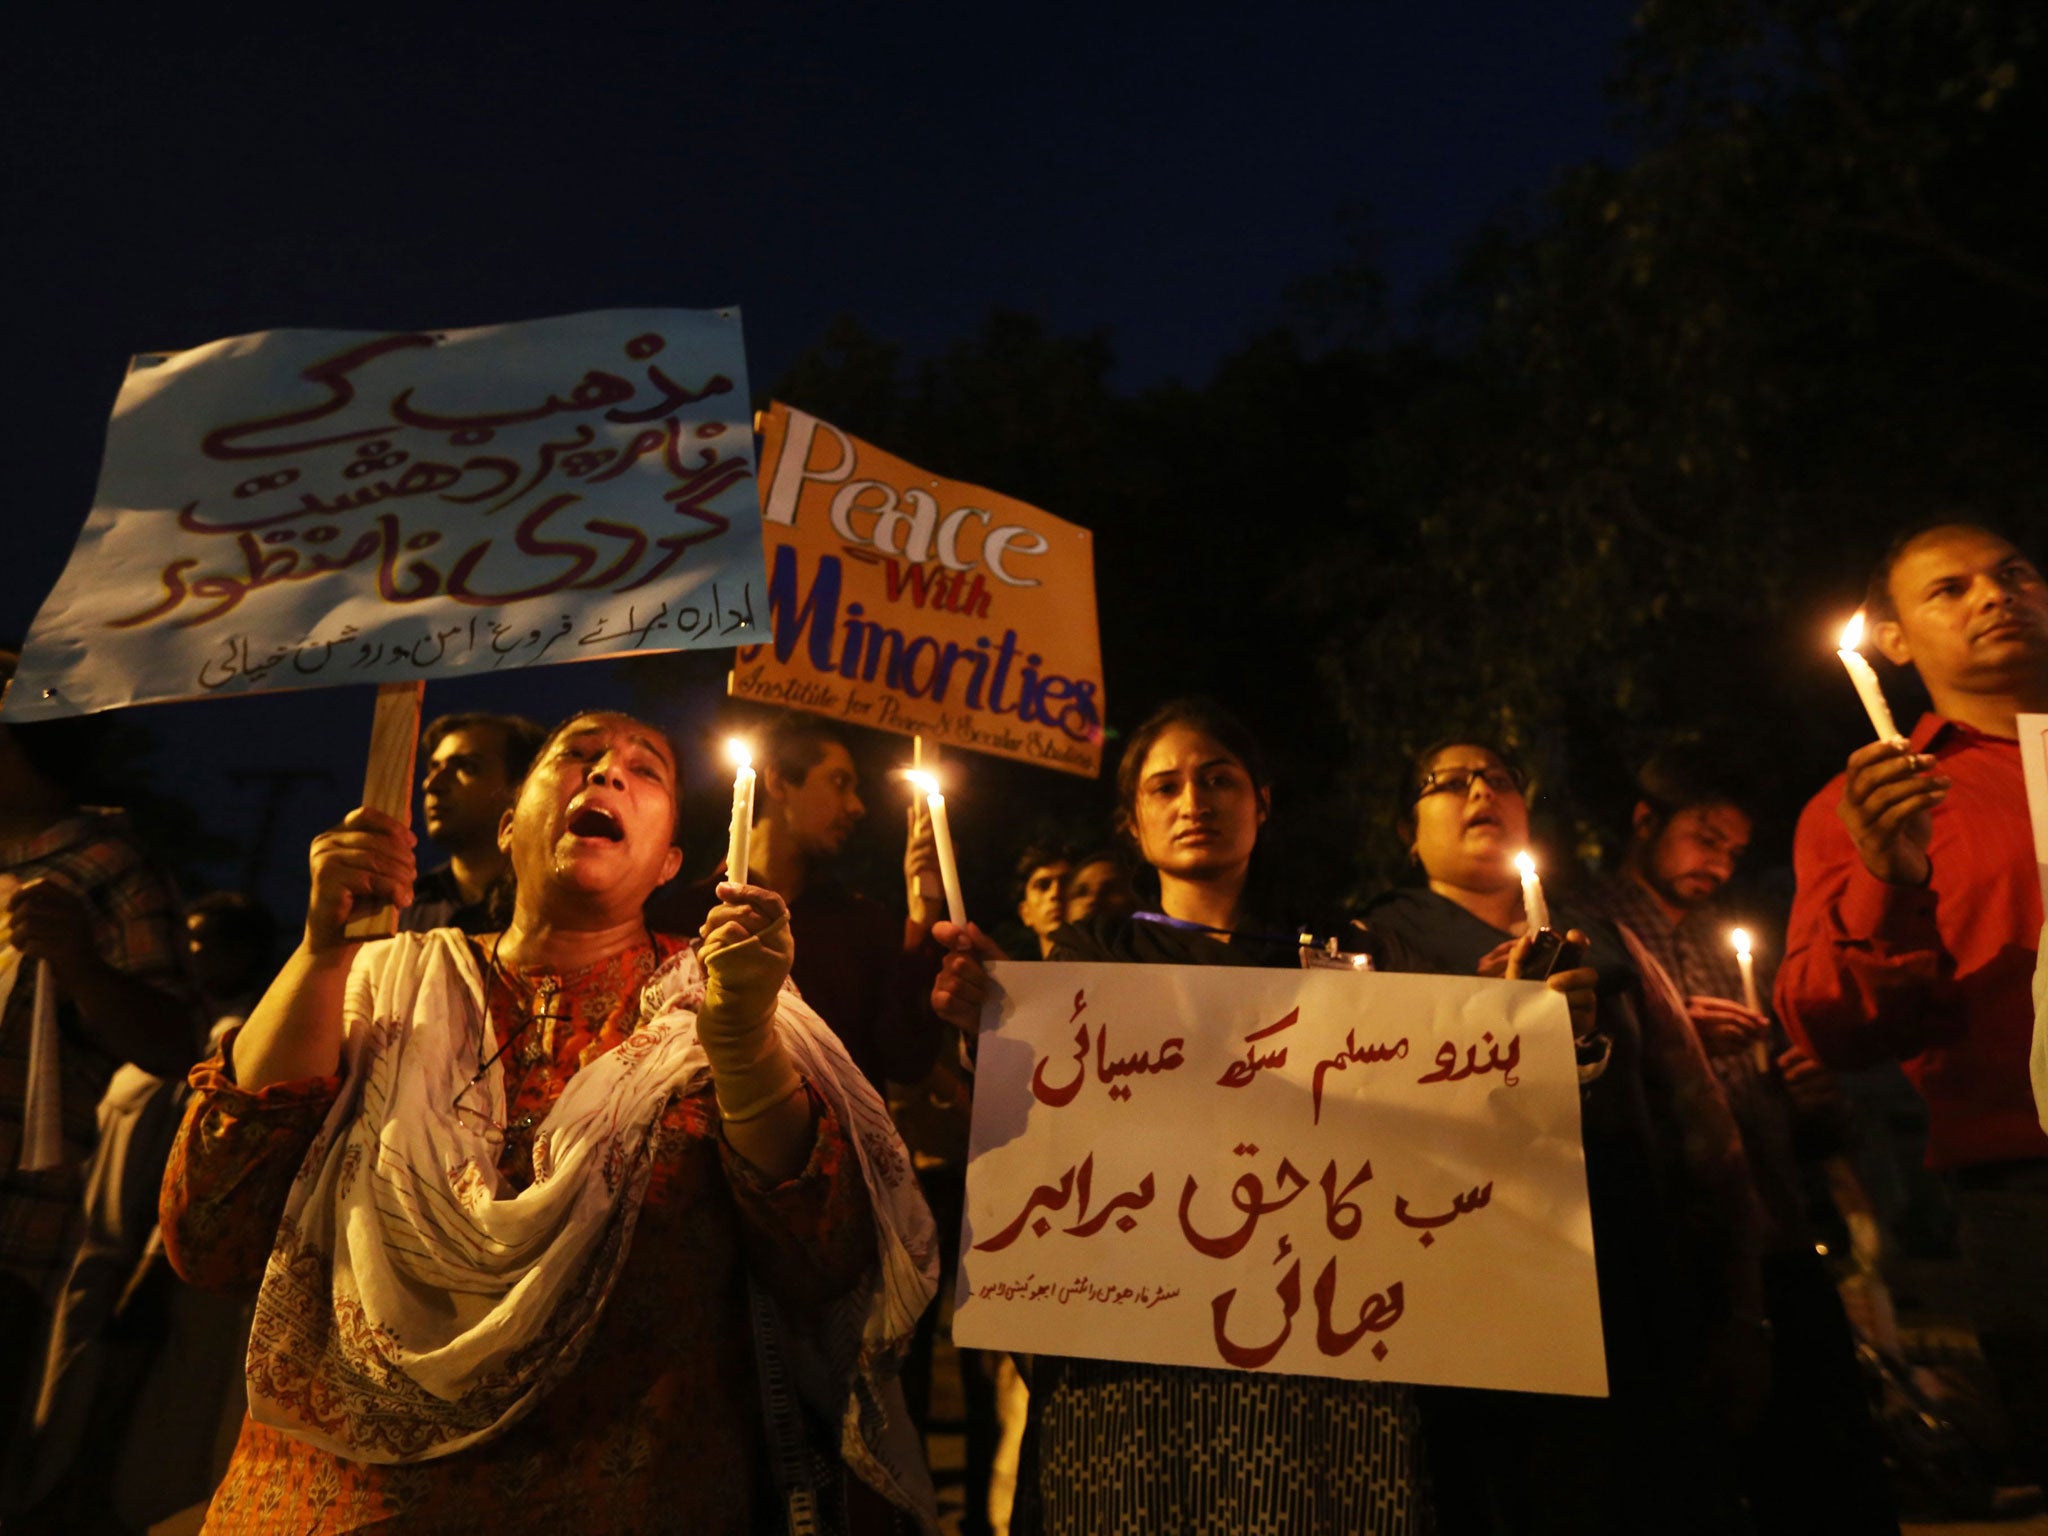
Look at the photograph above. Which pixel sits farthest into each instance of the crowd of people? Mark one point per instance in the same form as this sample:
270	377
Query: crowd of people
602	1199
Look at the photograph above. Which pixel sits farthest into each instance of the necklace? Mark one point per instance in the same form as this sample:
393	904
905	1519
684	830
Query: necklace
539	1000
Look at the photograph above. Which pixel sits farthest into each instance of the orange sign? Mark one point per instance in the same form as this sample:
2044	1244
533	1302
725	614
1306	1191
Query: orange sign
925	606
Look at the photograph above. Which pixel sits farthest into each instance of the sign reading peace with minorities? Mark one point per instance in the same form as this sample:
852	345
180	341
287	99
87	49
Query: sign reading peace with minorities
923	606
296	509
1323	1172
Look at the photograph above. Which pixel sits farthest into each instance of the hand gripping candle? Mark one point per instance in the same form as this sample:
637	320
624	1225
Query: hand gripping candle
736	845
1867	688
942	834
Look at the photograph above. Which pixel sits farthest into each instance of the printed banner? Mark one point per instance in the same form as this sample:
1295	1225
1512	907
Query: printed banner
295	509
924	606
1322	1172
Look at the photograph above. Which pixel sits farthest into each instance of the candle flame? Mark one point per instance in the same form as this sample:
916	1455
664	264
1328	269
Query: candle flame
1524	863
1740	939
924	781
737	754
1852	632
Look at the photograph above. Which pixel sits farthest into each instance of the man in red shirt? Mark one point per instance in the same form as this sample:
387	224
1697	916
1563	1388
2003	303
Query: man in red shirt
1914	931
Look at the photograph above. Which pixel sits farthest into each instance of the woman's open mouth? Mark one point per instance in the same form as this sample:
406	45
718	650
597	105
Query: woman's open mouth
594	821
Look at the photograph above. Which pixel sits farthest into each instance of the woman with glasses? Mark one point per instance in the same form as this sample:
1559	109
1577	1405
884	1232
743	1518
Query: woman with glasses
1117	1446
1674	1222
526	1208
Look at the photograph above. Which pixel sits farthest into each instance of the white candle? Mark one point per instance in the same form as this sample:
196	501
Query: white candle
1867	686
742	812
1532	894
1760	1051
1740	938
942	834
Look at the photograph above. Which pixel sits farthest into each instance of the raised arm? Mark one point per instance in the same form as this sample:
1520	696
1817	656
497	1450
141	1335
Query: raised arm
295	1032
1866	976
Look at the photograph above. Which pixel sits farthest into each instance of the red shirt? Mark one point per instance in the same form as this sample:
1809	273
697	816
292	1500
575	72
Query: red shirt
1939	976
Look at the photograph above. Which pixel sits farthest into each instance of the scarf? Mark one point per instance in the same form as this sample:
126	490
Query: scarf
413	1305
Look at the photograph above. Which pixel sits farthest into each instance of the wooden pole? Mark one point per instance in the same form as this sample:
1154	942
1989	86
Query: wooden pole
387	780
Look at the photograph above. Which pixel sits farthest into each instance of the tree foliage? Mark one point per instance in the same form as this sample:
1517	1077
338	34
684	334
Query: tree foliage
1628	489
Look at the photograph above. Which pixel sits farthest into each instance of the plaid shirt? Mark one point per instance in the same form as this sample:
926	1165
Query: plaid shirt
136	930
1697	955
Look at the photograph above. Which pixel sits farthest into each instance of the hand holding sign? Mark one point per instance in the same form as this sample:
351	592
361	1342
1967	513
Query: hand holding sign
365	865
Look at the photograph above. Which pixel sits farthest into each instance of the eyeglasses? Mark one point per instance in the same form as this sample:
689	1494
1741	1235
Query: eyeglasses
1458	781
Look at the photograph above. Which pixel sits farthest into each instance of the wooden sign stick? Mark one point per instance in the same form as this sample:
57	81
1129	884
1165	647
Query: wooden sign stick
387	781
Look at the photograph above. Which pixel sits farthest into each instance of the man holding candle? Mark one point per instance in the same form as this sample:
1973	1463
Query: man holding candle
1814	1459
1918	914
865	972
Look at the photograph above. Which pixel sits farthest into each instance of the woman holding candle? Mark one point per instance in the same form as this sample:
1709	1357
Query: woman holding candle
1119	1446
518	1202
1673	1216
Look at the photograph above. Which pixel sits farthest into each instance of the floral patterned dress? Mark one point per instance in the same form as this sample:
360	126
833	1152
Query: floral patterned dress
659	1426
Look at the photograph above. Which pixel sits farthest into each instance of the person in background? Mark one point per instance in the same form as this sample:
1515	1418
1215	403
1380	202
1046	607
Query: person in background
1917	921
1101	882
1675	1226
79	901
474	766
1814	1460
142	1384
1041	890
1113	1445
864	971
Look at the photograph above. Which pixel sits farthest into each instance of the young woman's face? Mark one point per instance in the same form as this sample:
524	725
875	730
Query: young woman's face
1198	813
1470	820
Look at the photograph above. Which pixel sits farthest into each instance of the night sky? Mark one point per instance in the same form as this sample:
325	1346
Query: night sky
1152	172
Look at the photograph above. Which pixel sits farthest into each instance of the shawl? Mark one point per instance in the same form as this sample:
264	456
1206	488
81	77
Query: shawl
414	1305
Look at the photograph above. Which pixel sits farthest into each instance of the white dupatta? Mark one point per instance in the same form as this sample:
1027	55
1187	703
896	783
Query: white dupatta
414	1305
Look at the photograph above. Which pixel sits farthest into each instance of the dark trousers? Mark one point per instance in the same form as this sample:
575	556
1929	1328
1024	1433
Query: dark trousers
2003	1219
1815	1461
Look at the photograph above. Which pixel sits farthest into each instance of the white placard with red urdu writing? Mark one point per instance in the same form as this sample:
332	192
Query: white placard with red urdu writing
297	509
1334	1173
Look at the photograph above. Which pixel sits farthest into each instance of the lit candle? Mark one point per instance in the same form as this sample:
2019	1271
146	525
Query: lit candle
1532	893
1760	1051
942	834
742	812
1740	938
1867	688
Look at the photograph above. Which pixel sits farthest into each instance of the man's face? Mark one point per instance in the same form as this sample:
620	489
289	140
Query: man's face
1694	854
1100	886
465	788
1044	907
823	810
1973	612
217	964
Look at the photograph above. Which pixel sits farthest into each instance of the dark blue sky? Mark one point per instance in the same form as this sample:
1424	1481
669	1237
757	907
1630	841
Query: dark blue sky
1161	172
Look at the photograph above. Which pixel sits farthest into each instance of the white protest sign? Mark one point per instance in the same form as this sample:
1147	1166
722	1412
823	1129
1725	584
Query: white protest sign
2033	731
295	509
1330	1173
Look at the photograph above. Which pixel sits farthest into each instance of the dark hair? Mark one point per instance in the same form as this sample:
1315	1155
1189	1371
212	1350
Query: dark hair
68	751
1878	606
238	919
1682	777
1113	856
520	739
1196	714
1037	856
793	746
